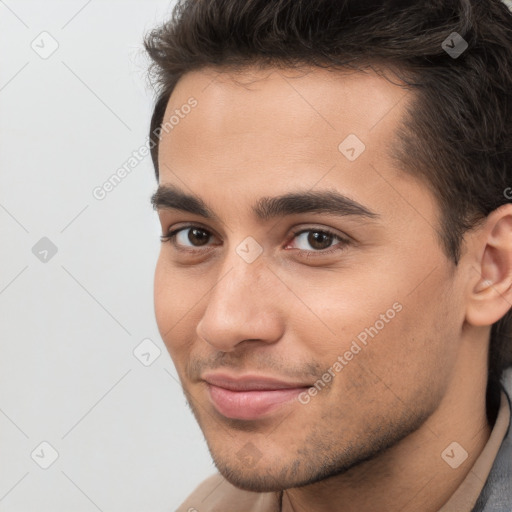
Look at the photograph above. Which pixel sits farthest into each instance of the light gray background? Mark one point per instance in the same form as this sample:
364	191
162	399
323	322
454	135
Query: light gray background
126	441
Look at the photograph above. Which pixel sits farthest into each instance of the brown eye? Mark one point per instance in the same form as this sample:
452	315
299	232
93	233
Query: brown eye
316	242
188	236
319	240
196	234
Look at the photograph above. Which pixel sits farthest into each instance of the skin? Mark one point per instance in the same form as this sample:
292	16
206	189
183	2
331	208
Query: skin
372	439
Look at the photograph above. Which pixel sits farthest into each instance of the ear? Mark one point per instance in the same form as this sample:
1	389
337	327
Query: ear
490	292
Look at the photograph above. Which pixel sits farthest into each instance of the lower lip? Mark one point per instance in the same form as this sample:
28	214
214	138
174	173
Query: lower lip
250	405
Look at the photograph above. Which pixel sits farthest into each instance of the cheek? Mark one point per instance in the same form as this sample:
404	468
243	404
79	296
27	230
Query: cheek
162	297
390	326
418	348
346	306
173	303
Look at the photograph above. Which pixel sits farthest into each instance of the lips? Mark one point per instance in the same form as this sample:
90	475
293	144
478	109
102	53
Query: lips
250	397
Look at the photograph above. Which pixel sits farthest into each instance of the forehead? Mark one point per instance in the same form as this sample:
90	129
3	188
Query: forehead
275	114
294	101
257	132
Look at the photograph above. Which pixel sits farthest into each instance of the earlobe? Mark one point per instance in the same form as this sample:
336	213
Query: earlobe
491	294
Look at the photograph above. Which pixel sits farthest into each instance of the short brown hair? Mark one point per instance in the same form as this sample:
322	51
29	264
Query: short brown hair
456	137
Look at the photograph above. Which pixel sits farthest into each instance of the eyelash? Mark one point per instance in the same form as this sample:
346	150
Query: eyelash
171	236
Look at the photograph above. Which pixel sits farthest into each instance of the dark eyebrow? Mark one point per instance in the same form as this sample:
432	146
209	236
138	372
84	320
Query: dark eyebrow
266	208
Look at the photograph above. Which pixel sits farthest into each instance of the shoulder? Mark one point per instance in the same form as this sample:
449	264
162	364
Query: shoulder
216	494
206	491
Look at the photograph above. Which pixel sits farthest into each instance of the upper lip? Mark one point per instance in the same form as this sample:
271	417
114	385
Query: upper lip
250	382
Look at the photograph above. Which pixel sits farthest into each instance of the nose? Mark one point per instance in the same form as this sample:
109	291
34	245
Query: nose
243	305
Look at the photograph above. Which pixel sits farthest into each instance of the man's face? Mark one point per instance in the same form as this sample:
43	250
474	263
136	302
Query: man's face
371	313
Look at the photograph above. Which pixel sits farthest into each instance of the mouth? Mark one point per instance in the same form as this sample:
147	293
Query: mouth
250	397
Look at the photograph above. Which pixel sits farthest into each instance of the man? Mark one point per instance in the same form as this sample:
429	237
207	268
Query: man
335	279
